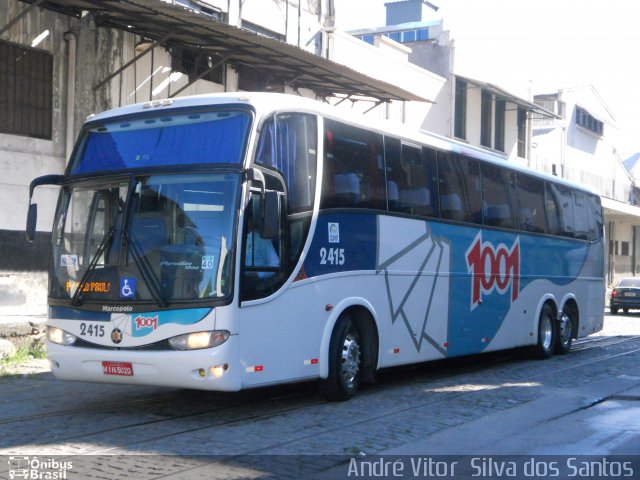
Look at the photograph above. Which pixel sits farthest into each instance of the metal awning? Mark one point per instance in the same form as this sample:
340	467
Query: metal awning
509	97
184	23
615	208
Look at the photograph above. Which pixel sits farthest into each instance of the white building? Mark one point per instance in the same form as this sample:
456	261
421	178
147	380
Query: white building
580	146
468	109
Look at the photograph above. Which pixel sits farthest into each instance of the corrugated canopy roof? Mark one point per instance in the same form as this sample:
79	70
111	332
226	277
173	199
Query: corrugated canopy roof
183	23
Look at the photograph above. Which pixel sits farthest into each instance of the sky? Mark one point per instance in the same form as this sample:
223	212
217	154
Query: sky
540	46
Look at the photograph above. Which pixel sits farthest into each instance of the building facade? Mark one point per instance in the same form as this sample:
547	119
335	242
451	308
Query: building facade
580	145
482	114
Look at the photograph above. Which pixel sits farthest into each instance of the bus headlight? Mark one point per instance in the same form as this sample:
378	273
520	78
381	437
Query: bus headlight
59	336
198	340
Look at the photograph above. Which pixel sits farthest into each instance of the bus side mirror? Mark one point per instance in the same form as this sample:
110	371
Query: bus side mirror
270	225
32	218
32	214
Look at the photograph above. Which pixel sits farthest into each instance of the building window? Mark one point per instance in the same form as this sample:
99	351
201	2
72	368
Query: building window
422	34
26	77
401	36
498	141
485	118
522	133
254	80
460	120
586	120
197	64
262	31
613	247
624	249
367	38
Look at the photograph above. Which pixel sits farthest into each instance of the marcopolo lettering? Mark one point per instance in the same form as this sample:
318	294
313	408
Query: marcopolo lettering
117	308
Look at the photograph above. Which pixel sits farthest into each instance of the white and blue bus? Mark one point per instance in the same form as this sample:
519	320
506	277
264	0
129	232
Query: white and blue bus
230	241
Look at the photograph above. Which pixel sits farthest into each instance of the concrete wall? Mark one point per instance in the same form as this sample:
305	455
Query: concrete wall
387	60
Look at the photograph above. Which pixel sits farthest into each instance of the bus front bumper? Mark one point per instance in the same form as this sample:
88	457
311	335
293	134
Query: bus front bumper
206	369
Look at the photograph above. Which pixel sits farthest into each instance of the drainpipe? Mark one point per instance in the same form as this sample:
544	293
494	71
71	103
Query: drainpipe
71	40
452	88
633	251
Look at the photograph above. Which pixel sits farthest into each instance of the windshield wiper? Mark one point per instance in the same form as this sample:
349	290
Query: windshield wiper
147	274
92	266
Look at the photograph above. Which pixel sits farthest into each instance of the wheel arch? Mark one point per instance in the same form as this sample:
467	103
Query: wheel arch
544	300
363	315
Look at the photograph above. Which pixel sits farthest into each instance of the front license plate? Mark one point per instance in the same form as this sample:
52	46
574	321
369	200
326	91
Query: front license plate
124	369
629	294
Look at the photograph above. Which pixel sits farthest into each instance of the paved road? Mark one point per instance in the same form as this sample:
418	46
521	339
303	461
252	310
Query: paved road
464	406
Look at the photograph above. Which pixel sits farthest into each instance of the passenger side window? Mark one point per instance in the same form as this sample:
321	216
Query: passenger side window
354	168
459	186
580	216
531	211
288	144
412	180
563	198
595	215
553	210
498	194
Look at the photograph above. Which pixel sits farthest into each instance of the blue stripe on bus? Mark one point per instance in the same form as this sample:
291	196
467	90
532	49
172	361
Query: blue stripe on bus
351	241
65	313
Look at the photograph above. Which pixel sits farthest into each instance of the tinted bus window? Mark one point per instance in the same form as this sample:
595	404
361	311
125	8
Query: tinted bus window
595	217
531	212
288	144
459	186
412	180
565	203
353	169
554	210
498	188
581	220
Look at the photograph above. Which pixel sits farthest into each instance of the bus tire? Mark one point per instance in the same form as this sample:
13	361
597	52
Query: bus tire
564	330
546	333
345	362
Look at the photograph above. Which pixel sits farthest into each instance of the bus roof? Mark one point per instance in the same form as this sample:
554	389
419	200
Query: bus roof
266	103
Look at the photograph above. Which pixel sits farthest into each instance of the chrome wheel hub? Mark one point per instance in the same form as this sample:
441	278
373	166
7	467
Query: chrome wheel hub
565	328
546	332
350	359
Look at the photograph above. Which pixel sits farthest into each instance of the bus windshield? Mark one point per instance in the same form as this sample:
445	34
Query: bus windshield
173	245
216	137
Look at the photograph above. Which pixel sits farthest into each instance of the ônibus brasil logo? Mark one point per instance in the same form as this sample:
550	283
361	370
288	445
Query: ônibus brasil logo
493	268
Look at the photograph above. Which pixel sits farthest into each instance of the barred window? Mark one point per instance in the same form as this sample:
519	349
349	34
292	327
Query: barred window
26	76
586	120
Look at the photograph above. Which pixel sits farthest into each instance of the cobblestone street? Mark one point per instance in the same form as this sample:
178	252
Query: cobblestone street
289	431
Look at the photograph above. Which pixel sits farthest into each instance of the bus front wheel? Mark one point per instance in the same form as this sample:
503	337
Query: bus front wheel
546	333
345	362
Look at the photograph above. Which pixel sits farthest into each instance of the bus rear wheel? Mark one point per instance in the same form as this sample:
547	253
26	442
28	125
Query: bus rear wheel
546	333
564	332
345	362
